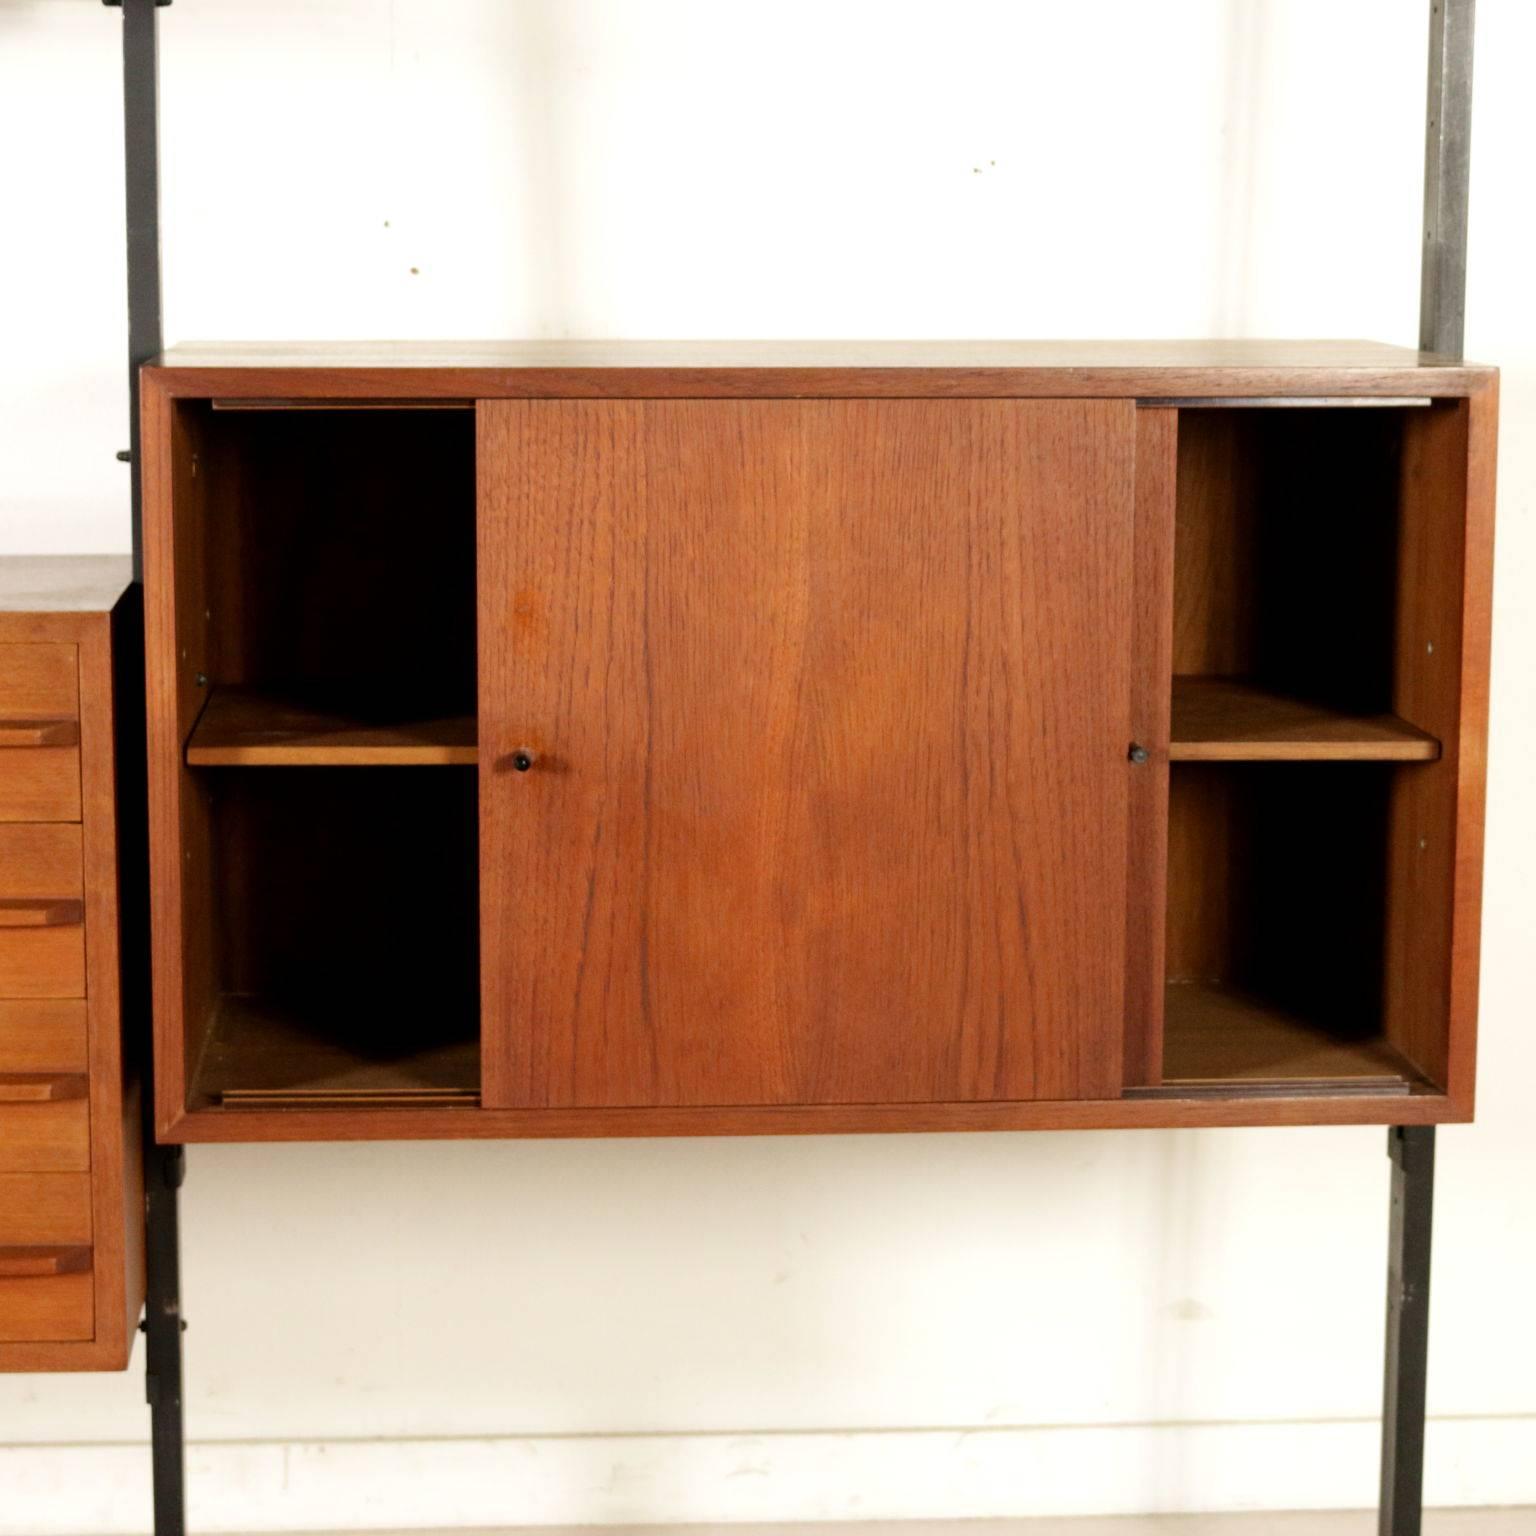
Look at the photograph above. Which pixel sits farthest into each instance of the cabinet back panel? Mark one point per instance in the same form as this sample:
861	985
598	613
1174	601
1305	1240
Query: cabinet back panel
340	552
829	709
345	900
1286	550
1276	885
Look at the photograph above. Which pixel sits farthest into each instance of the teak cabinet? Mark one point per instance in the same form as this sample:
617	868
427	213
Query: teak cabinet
71	949
563	740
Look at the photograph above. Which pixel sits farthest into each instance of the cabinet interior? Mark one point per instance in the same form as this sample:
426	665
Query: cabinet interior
335	883
1311	796
338	565
345	930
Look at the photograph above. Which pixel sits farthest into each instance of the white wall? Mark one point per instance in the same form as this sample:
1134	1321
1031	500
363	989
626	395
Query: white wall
822	1328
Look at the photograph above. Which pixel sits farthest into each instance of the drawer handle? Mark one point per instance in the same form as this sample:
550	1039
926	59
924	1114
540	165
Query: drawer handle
41	914
39	733
24	1263
42	1087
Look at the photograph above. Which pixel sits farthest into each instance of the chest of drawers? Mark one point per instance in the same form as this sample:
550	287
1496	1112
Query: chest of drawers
72	988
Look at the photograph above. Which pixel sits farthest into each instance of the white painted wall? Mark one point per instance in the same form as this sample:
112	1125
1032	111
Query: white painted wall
810	1328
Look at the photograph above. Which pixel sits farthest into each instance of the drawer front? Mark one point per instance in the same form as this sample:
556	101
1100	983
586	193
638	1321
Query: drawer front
39	682
43	962
40	862
42	933
47	1309
43	1209
45	1138
38	783
43	1035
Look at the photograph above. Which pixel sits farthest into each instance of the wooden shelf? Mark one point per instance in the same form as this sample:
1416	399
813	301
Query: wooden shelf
263	1055
245	728
1224	719
1217	1038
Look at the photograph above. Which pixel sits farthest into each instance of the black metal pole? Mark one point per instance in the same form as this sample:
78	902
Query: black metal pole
141	159
164	1167
1447	167
1412	1149
163	1174
1442	322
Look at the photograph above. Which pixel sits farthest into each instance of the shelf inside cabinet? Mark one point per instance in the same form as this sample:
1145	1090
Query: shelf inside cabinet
1218	1037
1228	719
249	728
264	1054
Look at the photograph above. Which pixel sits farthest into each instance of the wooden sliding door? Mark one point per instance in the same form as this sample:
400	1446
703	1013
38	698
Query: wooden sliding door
803	735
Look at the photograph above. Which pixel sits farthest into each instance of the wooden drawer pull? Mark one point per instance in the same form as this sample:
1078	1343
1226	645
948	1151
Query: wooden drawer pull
42	1087
39	913
41	1262
39	733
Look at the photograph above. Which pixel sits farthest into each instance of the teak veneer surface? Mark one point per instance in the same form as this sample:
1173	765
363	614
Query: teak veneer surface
807	822
617	369
243	727
71	1194
698	623
259	1050
61	585
49	1208
1227	719
1216	1034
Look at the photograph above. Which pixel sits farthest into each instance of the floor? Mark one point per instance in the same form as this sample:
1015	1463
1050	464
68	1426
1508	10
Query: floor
1448	1522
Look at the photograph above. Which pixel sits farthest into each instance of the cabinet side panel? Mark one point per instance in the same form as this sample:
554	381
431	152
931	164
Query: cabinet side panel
828	707
113	1002
1441	685
175	641
1151	690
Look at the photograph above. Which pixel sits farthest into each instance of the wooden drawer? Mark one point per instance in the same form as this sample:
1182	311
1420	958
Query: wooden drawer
39	682
40	862
46	1285
43	1035
45	1208
45	1138
39	733
42	932
46	961
38	783
48	1309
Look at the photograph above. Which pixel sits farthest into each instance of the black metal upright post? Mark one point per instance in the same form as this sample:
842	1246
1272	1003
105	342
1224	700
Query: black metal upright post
1412	1149
164	1167
1447	170
141	160
1442	316
162	1335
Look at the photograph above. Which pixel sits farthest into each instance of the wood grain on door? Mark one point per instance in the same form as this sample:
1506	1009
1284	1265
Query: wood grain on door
803	750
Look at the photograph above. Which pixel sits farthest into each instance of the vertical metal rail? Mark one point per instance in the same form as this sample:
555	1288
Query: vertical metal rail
1447	166
141	160
163	1173
1412	1149
164	1167
1442	324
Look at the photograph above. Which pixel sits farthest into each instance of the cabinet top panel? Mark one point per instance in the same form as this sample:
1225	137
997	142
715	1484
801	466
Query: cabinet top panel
465	370
63	583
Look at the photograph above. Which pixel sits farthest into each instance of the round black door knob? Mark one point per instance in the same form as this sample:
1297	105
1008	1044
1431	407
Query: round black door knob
522	761
1138	753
